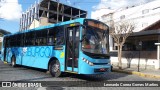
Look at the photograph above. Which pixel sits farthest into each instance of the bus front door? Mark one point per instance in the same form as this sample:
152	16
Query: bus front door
72	49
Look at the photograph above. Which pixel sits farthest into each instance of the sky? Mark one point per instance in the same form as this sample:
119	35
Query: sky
11	10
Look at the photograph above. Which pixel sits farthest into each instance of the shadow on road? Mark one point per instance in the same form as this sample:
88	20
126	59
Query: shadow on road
100	77
41	73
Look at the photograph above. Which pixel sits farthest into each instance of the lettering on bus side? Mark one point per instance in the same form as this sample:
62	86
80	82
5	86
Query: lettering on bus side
38	51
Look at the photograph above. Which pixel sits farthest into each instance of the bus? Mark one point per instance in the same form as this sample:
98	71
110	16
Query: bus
79	46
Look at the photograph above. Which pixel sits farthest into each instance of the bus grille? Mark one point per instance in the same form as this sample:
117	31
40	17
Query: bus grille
100	63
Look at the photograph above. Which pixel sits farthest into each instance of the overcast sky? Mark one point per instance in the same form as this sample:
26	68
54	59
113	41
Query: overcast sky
107	6
10	10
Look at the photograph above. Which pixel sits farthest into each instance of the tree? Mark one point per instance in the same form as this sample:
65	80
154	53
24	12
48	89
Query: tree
120	31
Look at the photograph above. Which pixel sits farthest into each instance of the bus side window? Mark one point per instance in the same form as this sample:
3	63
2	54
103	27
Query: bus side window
44	37
32	38
50	41
22	40
7	42
41	37
26	42
13	41
36	41
41	41
59	35
56	36
18	40
38	35
60	38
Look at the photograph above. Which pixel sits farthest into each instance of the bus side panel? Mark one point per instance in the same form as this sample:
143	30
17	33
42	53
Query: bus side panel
43	56
37	56
60	55
27	60
9	53
2	58
2	54
18	54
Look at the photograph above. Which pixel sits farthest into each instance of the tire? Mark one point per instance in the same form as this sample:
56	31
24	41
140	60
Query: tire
54	68
13	61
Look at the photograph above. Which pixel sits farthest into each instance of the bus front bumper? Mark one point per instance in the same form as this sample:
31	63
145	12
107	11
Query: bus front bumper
96	69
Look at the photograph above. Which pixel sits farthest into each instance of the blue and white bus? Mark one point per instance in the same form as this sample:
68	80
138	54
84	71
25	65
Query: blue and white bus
78	46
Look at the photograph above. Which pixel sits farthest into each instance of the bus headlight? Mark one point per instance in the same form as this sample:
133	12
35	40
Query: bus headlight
88	62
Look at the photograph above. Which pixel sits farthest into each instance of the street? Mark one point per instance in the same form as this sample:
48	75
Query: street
21	73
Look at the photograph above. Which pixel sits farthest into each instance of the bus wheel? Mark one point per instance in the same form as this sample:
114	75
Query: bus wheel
13	61
54	68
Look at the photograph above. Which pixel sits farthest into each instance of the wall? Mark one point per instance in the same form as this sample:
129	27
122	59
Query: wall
148	59
142	15
34	24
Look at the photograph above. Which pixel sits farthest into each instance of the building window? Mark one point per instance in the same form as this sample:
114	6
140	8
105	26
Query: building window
122	17
145	11
129	46
149	45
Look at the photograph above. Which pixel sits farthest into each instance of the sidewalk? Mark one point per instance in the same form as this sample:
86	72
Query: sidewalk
147	73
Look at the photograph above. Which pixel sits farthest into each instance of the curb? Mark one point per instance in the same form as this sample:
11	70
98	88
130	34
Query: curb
138	73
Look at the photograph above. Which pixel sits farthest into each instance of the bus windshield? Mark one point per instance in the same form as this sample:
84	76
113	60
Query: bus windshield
94	40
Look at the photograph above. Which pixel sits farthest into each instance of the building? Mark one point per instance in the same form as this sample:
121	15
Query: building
47	12
146	18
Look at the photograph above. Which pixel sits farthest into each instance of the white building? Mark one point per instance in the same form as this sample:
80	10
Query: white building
142	16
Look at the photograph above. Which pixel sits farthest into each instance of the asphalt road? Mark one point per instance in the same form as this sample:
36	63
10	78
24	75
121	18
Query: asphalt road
21	73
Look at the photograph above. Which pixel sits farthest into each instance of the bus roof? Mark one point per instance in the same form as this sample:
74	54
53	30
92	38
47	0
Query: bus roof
80	20
49	26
